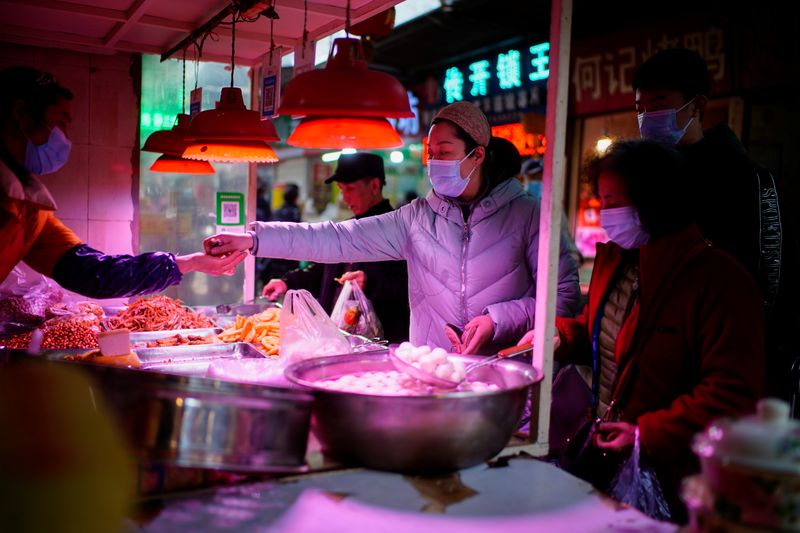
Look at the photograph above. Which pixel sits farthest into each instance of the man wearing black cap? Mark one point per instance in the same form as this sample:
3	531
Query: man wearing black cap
361	179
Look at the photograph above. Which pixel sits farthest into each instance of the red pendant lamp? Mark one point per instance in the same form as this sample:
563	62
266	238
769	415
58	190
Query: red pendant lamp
172	144
364	133
178	165
231	133
346	87
345	103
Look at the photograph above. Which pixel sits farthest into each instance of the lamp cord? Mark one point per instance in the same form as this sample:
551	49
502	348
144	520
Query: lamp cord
183	85
305	27
233	46
197	54
271	38
347	20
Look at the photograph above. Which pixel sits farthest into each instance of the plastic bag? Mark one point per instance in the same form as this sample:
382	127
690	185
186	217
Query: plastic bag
307	331
24	300
636	484
354	313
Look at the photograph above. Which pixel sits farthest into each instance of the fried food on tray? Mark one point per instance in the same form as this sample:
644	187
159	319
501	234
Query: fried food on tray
158	313
181	340
130	360
262	329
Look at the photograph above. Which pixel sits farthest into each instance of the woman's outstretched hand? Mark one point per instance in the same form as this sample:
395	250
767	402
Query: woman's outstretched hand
226	243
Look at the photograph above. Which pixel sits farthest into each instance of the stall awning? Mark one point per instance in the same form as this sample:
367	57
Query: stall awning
157	26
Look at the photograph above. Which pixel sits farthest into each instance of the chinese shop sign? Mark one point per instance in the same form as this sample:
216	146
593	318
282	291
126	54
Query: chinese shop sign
502	84
602	69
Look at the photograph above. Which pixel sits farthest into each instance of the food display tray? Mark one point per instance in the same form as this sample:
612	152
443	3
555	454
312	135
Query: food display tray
224	315
193	360
141	338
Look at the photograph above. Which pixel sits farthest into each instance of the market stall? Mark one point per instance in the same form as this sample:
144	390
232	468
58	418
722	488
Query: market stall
195	391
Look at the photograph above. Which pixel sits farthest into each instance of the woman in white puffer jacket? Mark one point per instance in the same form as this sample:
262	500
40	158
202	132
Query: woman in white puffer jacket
471	245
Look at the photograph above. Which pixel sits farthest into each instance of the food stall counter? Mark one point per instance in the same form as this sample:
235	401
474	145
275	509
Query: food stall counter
517	493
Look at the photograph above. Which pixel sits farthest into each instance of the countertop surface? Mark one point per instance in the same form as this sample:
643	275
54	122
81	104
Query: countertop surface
519	493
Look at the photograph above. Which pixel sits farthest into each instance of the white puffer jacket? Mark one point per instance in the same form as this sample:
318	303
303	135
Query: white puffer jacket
457	270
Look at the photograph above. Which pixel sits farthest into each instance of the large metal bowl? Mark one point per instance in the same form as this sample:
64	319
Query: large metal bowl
199	422
418	434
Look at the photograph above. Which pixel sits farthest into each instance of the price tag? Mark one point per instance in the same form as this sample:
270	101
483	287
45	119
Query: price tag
270	84
195	101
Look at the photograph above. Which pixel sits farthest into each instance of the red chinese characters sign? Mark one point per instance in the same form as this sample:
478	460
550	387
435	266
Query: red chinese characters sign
602	69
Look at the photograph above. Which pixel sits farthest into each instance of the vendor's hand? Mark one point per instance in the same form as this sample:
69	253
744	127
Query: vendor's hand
614	436
477	332
528	339
209	264
274	289
226	243
357	276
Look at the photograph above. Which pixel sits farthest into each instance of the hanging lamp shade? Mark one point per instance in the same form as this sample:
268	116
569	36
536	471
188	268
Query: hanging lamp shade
345	132
172	144
231	133
345	87
227	151
169	141
178	165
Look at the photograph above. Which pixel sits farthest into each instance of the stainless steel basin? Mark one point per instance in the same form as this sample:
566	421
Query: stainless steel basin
435	433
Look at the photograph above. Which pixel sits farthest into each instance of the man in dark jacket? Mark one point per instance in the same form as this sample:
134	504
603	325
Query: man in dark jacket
289	212
734	201
361	179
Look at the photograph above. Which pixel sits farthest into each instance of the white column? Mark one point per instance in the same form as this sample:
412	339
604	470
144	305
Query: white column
550	221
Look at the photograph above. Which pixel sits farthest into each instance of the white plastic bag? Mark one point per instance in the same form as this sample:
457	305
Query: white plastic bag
307	331
354	313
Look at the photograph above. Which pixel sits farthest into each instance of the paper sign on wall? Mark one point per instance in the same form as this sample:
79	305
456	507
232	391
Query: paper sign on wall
195	101
270	84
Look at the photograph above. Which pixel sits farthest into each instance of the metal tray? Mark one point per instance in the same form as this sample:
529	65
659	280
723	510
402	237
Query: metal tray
224	315
361	344
113	310
193	360
140	338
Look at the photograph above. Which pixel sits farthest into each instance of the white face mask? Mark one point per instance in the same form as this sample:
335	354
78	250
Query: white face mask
624	227
48	157
445	176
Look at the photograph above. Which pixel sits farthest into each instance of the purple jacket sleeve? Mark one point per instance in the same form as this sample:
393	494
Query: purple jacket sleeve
92	273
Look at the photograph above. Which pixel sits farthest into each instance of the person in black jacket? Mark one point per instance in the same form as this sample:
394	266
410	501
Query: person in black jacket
735	202
289	212
361	179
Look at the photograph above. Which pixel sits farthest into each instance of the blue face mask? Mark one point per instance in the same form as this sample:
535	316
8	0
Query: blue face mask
623	227
662	125
48	157
445	176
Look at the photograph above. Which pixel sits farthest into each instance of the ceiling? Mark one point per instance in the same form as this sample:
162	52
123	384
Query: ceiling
460	28
157	26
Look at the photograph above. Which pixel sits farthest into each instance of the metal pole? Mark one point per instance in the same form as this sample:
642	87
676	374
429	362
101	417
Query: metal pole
550	219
